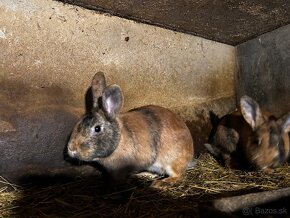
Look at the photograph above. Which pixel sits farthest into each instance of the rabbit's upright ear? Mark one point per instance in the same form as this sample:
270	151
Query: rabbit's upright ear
251	112
112	100
98	86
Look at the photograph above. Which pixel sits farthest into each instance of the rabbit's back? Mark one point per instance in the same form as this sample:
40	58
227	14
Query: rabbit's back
152	137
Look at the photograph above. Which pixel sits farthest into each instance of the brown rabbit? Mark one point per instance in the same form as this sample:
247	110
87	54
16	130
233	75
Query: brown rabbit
250	138
149	138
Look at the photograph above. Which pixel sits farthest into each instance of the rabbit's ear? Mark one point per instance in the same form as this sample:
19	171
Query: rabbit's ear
112	100
98	86
285	120
251	112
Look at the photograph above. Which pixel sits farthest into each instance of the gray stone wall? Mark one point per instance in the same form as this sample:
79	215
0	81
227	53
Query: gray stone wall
264	70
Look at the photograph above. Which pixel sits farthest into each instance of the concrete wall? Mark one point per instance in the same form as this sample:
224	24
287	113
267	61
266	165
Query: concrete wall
264	70
50	51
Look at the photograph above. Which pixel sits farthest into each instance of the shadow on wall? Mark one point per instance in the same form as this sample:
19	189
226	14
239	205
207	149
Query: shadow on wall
264	70
35	124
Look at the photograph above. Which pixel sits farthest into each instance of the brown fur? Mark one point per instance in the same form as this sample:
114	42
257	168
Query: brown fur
247	144
174	152
149	138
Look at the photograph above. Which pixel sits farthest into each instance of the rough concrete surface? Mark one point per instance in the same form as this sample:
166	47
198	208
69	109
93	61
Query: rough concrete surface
227	21
50	51
47	44
264	70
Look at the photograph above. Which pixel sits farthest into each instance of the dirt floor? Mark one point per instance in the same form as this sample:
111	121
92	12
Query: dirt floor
228	21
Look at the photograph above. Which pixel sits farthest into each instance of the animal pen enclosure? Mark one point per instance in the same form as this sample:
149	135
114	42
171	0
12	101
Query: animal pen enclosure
196	64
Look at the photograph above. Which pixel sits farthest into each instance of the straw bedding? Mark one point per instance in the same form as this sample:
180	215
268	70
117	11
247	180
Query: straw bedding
84	197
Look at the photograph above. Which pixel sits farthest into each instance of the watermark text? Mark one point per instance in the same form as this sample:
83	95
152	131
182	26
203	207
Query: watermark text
263	211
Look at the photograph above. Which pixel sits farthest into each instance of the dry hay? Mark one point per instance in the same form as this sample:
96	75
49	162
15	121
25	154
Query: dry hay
84	198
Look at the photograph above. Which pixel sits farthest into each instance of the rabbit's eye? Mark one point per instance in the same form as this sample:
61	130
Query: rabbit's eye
97	129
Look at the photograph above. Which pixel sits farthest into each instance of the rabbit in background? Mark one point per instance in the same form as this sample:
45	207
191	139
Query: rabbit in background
149	138
250	138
